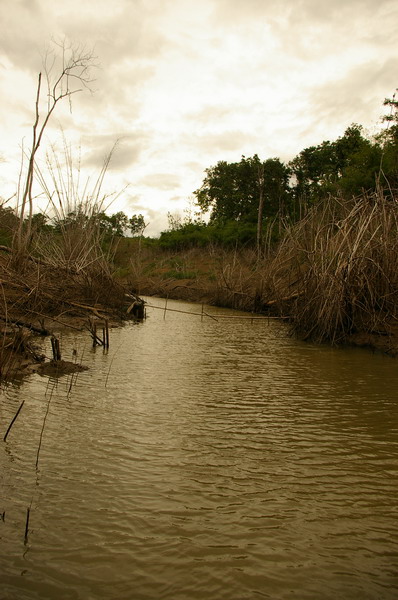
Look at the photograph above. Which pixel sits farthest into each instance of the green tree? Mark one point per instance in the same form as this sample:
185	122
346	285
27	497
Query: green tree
8	223
113	225
137	225
40	222
357	162
232	191
110	225
348	165
315	171
388	140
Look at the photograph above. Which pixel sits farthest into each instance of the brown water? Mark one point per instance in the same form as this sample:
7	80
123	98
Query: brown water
203	460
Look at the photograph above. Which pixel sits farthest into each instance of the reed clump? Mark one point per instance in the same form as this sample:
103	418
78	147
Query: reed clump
338	268
65	273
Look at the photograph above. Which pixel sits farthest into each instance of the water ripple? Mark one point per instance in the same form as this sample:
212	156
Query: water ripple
204	460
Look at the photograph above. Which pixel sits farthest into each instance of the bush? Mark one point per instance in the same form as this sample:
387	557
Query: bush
192	235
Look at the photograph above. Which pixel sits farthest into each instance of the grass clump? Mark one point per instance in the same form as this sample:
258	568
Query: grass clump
339	266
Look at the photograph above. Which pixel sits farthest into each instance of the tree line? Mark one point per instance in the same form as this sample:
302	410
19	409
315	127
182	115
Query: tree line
241	197
109	226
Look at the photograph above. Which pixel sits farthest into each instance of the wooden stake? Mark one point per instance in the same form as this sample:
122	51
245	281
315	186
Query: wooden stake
12	422
165	308
27	526
55	348
58	349
106	333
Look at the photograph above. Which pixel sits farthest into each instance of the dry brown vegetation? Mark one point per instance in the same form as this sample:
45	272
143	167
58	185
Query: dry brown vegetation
334	274
65	273
213	275
340	262
64	280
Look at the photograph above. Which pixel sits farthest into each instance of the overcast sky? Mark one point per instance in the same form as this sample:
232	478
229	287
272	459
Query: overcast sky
183	84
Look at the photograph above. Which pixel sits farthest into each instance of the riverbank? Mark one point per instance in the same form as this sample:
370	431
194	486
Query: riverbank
21	349
332	273
271	286
39	300
332	276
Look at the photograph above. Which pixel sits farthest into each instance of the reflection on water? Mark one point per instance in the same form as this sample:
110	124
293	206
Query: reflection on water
203	460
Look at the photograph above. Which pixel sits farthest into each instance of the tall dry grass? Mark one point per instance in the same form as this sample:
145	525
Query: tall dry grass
74	207
77	249
338	267
62	269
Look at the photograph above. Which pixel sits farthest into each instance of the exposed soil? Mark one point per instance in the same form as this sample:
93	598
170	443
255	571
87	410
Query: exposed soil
385	342
60	367
42	301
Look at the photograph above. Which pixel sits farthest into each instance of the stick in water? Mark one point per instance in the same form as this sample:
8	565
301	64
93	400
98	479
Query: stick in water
12	422
27	526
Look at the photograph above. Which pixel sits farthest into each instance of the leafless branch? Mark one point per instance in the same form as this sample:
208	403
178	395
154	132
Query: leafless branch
64	65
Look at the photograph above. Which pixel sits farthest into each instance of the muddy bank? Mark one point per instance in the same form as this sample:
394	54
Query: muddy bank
385	342
43	301
21	346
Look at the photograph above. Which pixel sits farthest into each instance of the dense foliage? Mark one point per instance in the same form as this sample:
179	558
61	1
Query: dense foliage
231	190
241	197
115	225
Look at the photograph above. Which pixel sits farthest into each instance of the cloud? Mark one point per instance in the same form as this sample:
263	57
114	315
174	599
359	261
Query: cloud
209	114
184	84
310	11
24	27
125	150
121	29
227	141
136	205
155	216
118	29
161	181
356	97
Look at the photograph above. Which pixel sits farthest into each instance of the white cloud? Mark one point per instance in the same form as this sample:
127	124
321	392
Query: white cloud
184	84
161	181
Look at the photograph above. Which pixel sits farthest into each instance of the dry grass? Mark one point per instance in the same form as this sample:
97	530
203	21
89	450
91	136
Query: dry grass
334	273
212	275
46	297
65	273
339	263
74	208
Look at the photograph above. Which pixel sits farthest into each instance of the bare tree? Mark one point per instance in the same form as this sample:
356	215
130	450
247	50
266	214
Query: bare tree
260	183
67	70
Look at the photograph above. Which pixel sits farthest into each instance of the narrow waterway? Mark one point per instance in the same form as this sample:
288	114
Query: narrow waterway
202	460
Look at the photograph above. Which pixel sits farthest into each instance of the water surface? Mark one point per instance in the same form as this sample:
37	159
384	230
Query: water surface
202	459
